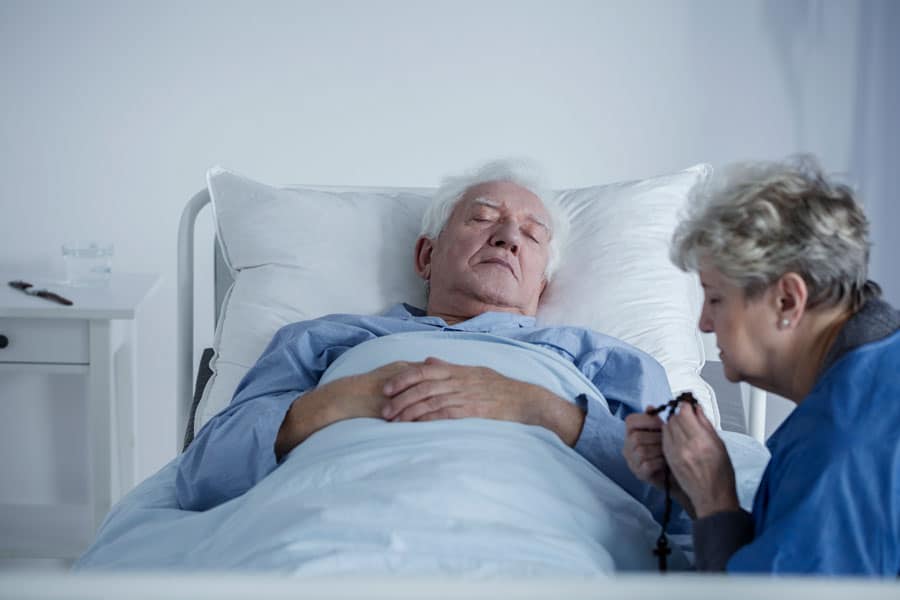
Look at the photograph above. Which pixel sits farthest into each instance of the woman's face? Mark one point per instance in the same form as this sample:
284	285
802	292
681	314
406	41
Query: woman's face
743	327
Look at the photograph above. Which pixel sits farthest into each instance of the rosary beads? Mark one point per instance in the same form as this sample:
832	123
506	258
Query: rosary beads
662	549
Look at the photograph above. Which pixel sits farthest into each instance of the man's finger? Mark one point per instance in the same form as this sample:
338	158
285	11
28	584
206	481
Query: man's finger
415	374
396	365
414	395
442	414
433	360
432	409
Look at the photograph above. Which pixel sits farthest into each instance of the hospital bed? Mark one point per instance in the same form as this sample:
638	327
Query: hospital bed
736	408
742	410
657	312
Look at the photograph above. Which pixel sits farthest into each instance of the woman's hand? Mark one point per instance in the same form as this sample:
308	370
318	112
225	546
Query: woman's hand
643	448
698	460
643	451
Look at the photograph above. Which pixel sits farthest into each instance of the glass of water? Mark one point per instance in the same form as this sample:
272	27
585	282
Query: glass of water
87	263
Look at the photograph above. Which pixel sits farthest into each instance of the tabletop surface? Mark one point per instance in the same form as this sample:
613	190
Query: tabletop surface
119	298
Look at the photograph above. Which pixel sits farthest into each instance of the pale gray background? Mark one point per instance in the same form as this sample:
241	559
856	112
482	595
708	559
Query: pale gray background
111	112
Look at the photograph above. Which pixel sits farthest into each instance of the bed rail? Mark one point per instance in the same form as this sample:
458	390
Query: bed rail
757	417
185	335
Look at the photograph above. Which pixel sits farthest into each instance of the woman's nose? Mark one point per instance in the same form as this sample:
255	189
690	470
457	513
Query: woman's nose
706	323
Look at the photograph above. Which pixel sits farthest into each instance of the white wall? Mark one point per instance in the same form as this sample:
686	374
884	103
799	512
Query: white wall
111	112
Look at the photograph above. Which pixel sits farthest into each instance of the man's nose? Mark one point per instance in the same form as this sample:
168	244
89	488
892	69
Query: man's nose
506	235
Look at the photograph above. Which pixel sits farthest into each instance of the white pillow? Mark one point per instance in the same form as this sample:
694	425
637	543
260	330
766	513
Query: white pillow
301	252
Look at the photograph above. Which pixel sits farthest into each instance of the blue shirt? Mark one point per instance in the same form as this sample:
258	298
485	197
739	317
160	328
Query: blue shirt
236	448
829	501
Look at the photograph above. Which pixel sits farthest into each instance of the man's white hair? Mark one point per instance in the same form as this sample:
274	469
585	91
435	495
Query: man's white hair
522	172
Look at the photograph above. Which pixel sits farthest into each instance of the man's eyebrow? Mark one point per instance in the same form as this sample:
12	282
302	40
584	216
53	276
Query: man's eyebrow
496	205
486	202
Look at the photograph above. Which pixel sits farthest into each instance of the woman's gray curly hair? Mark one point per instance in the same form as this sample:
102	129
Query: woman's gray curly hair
522	172
756	221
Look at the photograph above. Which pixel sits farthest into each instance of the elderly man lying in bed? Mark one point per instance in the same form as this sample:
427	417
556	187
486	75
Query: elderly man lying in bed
542	404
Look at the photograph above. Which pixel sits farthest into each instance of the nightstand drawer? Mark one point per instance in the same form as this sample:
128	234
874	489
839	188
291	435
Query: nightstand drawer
45	341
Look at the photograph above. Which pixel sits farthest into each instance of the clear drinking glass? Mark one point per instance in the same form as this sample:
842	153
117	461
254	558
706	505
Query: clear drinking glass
87	263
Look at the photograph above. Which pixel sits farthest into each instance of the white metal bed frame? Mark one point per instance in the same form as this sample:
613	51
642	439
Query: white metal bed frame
756	419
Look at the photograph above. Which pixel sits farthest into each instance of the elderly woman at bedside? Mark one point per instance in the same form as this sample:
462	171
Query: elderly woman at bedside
782	254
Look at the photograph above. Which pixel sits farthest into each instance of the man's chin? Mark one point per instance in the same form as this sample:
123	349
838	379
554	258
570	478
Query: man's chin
493	295
496	296
498	300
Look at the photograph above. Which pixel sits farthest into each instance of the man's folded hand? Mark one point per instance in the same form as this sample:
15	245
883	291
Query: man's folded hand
436	390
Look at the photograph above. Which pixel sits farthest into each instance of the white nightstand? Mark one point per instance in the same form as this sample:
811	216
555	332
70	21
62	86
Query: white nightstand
96	336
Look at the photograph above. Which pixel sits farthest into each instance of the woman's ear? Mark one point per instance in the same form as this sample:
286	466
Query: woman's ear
424	249
790	298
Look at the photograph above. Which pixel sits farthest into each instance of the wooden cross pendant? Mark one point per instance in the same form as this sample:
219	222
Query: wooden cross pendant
661	551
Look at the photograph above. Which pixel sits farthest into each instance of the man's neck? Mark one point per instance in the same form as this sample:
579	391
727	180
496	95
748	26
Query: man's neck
466	310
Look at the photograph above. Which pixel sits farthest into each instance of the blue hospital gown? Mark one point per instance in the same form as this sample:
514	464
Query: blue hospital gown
829	501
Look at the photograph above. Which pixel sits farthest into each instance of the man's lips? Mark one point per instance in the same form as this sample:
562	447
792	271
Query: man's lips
500	261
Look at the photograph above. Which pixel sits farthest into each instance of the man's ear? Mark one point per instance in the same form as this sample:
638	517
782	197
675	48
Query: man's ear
790	298
424	248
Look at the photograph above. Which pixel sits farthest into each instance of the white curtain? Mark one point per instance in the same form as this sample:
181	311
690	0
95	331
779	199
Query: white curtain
875	163
840	64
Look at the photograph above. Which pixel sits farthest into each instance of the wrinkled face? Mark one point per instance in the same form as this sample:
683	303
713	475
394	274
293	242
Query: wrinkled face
493	250
742	327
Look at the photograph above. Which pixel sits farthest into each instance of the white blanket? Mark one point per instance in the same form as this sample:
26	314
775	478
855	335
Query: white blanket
364	497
